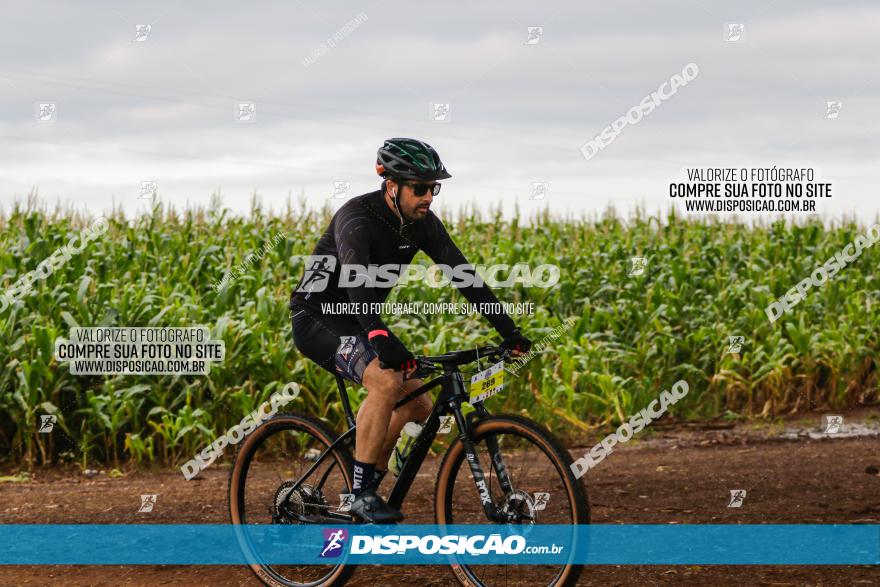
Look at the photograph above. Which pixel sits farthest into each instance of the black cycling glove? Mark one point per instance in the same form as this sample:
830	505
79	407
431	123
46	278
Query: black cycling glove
392	353
515	341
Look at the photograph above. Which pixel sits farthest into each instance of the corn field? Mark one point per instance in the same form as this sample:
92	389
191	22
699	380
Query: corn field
631	336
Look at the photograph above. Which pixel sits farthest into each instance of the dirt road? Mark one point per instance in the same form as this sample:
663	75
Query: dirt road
675	476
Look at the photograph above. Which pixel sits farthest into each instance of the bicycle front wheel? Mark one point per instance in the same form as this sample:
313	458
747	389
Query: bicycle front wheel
537	487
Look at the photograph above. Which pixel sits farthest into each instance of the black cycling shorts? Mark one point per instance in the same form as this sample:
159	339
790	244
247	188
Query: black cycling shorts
336	343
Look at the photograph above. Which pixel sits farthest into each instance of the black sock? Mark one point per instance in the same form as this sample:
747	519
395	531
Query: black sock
378	475
363	476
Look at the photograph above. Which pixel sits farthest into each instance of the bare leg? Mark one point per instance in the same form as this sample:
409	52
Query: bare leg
378	424
417	410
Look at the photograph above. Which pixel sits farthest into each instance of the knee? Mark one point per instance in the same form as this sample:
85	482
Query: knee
382	382
383	389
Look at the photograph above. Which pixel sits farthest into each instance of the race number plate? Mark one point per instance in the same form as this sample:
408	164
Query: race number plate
487	383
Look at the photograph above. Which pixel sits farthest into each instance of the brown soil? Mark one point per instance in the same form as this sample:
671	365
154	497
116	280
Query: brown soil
680	476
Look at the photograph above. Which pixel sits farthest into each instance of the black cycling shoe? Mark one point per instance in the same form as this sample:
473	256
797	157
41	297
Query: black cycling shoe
369	507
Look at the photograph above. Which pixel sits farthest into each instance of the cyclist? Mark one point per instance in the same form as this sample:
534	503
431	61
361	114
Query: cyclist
387	226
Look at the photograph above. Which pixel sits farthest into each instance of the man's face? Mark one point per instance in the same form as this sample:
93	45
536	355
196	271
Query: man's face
413	207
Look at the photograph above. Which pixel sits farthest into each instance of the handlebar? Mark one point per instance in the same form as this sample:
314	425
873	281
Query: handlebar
427	364
463	357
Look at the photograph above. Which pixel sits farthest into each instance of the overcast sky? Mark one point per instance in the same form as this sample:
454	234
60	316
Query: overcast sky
164	108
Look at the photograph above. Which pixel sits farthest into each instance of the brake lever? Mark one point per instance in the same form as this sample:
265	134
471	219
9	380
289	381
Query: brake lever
423	369
503	353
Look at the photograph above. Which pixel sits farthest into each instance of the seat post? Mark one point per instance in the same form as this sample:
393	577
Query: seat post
346	405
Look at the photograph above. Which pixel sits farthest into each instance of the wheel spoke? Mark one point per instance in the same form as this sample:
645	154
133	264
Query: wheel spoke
533	466
271	460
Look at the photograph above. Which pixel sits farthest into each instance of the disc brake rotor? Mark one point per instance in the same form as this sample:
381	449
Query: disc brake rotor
519	507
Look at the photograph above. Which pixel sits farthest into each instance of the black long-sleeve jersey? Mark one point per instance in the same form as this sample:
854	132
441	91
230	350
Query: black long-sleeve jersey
365	231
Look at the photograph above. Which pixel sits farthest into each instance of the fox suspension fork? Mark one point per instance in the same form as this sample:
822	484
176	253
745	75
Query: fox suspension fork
473	461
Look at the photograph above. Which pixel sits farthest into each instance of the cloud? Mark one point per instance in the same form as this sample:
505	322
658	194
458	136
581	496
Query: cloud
164	109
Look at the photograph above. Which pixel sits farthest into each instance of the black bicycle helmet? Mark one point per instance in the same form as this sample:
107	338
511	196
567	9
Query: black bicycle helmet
409	159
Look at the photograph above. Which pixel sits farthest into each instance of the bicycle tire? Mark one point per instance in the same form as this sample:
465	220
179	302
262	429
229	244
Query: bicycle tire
238	478
549	444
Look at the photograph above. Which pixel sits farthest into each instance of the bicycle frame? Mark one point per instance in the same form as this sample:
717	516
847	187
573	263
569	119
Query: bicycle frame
452	394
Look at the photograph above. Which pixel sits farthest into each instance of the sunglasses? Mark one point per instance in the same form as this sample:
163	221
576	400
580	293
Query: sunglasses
420	189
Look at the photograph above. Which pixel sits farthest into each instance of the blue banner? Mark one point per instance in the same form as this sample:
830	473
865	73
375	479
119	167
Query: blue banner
626	544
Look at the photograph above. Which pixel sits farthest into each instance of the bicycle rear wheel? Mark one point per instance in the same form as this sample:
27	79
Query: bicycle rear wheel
544	491
270	460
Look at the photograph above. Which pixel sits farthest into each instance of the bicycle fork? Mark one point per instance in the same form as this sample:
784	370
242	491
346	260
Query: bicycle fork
473	460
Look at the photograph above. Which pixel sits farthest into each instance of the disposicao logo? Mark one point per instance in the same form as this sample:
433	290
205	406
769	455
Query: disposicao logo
334	542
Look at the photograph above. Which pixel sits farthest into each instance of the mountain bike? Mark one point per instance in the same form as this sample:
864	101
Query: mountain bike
292	468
